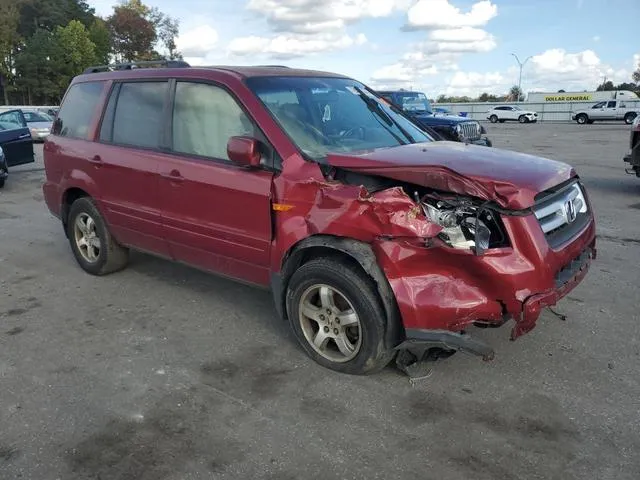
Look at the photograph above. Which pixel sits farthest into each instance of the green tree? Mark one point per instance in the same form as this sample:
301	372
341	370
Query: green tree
636	75
9	18
37	68
101	38
50	14
77	51
515	94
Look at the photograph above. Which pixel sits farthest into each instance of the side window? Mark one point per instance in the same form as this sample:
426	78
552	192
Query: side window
11	120
599	105
77	110
204	118
137	119
611	105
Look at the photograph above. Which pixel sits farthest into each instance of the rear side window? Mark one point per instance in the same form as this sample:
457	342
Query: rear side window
138	116
77	110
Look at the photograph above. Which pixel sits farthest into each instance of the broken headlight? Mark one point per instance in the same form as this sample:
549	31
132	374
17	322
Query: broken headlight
465	225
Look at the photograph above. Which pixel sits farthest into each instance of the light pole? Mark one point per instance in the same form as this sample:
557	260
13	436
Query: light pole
522	64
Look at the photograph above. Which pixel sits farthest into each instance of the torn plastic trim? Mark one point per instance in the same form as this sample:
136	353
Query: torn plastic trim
419	342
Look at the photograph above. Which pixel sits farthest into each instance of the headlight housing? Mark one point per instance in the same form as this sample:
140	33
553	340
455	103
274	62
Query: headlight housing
465	224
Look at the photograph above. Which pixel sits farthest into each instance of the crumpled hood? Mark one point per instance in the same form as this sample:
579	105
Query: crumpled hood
510	179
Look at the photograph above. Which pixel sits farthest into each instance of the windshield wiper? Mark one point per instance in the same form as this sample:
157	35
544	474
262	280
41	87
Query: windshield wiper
377	110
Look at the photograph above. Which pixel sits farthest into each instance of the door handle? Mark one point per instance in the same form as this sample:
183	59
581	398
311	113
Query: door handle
96	160
173	176
25	135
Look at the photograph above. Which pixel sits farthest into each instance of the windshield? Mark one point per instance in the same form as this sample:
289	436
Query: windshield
36	117
516	108
333	115
413	102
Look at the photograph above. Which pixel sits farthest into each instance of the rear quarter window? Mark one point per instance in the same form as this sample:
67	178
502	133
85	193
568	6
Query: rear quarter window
78	109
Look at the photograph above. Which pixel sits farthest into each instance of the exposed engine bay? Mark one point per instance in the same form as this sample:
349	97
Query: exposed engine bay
467	223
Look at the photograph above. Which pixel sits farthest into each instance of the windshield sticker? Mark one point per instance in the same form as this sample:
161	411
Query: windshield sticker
326	117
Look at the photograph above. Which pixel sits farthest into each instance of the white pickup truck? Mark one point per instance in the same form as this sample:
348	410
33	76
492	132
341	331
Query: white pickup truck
609	110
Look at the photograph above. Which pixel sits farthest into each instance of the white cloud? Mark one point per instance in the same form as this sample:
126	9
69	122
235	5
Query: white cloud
288	46
429	14
548	71
450	34
197	42
312	16
304	27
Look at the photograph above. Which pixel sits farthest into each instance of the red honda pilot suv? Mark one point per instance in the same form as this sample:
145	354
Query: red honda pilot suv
377	241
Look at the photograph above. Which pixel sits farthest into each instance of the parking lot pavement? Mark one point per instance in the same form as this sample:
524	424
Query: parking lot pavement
162	372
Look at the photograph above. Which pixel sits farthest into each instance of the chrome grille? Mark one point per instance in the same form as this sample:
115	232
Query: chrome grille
470	130
560	211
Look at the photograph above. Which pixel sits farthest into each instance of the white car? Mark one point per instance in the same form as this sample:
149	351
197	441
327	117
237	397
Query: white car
502	113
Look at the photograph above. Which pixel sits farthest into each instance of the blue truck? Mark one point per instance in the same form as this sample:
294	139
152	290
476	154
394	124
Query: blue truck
416	105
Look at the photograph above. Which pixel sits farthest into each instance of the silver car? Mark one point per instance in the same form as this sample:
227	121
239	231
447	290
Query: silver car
39	124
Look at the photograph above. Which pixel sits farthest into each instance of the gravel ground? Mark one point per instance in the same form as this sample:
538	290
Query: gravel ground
162	372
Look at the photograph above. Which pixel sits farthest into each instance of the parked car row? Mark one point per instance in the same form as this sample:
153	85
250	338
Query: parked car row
16	142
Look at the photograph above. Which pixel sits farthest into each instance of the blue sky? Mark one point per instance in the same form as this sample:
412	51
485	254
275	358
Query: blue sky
438	46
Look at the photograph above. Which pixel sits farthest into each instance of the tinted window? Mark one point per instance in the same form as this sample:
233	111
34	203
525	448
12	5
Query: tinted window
78	109
611	105
137	119
204	118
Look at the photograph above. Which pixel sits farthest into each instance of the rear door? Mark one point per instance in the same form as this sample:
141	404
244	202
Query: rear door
125	160
611	111
15	138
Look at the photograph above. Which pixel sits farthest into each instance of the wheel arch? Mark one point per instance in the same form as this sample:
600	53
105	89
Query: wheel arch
69	196
359	254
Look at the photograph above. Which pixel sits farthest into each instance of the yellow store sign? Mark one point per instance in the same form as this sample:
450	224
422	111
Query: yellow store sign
582	97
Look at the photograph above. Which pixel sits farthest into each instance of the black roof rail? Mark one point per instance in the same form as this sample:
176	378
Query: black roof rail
142	64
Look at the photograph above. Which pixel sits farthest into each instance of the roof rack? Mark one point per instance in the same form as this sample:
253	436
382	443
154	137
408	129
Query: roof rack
132	65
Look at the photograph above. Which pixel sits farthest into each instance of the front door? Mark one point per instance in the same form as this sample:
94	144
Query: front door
216	214
598	111
15	138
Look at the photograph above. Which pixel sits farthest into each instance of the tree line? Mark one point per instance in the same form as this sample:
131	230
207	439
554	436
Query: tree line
45	43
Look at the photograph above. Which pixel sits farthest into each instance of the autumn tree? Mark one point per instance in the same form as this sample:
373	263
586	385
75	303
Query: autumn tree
136	29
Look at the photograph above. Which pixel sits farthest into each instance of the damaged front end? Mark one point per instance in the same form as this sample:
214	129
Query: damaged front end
448	260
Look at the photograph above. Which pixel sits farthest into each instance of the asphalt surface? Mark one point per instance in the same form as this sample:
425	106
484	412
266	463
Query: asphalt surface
162	372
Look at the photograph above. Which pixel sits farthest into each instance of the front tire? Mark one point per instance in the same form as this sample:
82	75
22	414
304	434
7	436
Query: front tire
523	119
95	249
336	315
582	119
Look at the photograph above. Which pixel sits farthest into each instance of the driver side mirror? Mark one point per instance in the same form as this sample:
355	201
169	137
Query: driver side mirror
244	151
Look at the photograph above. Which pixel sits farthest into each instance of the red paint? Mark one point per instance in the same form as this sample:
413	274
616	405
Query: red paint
218	215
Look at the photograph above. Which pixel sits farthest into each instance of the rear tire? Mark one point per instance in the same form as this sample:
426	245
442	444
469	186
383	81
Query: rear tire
320	294
629	118
95	249
581	119
493	119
